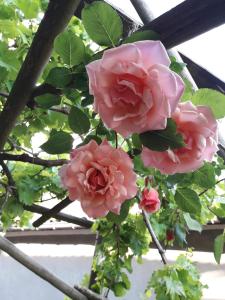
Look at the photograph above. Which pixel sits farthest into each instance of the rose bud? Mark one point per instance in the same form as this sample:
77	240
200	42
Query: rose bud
150	201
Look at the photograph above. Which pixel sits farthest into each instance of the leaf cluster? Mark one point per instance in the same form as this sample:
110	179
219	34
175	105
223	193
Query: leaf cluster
179	281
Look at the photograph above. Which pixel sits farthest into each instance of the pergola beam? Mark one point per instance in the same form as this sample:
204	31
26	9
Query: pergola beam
188	20
57	16
39	270
59	216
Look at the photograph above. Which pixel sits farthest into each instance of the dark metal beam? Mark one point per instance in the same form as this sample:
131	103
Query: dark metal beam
60	216
202	77
188	20
51	212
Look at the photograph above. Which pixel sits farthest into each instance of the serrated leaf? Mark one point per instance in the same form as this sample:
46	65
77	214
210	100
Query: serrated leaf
174	287
161	140
188	200
102	23
58	142
78	120
214	99
218	247
191	223
59	77
70	48
48	100
141	36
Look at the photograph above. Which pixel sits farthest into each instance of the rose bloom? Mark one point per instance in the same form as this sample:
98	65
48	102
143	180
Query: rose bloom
100	177
199	130
134	89
150	201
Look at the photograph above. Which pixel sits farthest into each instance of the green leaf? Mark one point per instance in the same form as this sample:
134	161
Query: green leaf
119	289
176	66
174	287
191	223
12	28
29	191
118	219
205	176
59	77
6	12
72	94
161	140
219	210
126	280
128	263
70	48
92	137
218	247
78	120
30	8
3	73
214	99
136	141
180	234
141	36
58	142
13	208
188	91
188	200
48	100
102	23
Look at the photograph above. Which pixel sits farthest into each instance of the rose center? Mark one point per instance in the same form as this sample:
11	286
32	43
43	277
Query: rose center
96	180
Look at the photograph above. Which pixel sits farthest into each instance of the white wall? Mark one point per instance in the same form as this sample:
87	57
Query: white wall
71	262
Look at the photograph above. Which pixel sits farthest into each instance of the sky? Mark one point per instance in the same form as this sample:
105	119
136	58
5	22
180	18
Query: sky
207	50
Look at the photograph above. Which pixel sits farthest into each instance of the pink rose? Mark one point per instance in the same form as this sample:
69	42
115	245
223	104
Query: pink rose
150	200
199	130
100	177
134	89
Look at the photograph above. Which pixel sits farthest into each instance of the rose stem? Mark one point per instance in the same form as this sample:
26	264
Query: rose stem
154	238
